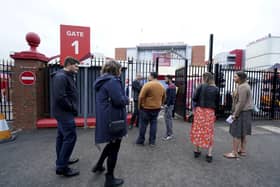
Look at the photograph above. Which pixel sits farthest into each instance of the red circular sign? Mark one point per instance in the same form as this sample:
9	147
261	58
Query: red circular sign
27	78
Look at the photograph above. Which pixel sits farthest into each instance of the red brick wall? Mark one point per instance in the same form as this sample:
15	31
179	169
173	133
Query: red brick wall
120	54
198	55
28	101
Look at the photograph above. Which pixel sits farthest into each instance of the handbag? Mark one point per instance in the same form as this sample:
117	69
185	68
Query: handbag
116	127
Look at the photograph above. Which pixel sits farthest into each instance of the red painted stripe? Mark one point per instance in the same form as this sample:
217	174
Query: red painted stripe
52	123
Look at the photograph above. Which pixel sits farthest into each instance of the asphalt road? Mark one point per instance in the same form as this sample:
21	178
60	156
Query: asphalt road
30	160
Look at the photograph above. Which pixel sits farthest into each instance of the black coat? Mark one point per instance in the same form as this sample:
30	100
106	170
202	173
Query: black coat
64	95
108	86
136	87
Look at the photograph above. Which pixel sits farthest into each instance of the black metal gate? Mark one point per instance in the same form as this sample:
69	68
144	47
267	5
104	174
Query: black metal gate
187	79
129	71
265	86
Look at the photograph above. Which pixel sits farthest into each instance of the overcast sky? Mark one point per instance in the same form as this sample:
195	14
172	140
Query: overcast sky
126	23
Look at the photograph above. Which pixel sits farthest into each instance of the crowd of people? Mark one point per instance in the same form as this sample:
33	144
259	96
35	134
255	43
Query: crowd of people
149	99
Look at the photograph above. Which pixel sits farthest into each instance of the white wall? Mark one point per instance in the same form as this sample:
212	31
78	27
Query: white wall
264	53
131	53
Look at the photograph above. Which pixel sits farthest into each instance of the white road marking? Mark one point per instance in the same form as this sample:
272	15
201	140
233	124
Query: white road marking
255	131
271	128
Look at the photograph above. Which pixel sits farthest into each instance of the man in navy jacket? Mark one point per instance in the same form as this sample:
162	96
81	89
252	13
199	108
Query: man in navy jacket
169	106
64	109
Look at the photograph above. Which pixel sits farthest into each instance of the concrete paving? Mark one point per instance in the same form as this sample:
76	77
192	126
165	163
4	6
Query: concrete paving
29	161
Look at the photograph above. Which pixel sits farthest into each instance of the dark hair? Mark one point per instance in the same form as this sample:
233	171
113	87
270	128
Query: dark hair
70	61
169	77
208	78
154	75
111	67
242	76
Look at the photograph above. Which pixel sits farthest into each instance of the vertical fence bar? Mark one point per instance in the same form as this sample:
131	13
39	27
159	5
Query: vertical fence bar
272	114
210	62
185	87
86	97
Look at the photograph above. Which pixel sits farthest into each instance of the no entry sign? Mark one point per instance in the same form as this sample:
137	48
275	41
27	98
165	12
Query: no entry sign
27	78
74	41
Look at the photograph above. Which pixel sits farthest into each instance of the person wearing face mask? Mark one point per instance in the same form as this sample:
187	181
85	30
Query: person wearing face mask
169	107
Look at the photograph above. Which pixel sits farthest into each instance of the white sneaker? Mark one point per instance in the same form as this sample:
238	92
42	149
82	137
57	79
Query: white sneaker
167	138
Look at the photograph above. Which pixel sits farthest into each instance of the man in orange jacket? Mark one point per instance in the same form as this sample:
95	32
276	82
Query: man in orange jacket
151	98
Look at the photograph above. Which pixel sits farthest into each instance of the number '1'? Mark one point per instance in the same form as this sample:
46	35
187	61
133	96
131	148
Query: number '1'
75	44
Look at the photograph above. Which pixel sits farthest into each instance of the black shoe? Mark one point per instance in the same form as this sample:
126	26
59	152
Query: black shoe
111	181
67	172
196	154
73	161
98	169
209	159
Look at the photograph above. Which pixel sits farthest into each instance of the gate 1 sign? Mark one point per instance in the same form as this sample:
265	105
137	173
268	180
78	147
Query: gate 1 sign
27	78
74	41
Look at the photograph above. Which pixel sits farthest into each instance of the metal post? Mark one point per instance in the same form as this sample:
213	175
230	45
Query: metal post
210	61
157	62
217	82
185	87
273	94
86	97
217	72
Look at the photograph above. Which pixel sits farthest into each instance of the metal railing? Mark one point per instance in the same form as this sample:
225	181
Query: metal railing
6	105
265	87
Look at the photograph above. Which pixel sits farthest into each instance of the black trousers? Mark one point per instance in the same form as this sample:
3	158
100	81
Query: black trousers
110	152
135	115
65	142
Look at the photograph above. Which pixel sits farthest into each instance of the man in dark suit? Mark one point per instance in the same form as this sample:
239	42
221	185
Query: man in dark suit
136	88
64	109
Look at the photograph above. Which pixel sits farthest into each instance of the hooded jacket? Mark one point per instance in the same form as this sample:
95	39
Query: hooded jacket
110	104
64	95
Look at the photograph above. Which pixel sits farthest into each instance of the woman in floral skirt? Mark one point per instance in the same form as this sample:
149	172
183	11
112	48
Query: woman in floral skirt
206	99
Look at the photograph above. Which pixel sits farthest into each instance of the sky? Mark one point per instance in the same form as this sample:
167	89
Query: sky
126	23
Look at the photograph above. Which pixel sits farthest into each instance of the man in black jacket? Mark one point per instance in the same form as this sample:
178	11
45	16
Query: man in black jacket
136	88
64	109
169	107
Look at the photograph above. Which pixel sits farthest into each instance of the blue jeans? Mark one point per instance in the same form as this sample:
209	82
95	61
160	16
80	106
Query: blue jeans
65	142
147	117
168	119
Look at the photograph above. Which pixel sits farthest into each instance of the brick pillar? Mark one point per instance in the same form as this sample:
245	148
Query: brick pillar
27	97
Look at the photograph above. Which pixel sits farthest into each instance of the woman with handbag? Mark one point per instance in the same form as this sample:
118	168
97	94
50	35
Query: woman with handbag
110	107
206	100
242	116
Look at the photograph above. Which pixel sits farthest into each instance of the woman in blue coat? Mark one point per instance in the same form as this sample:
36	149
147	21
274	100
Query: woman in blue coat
110	105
